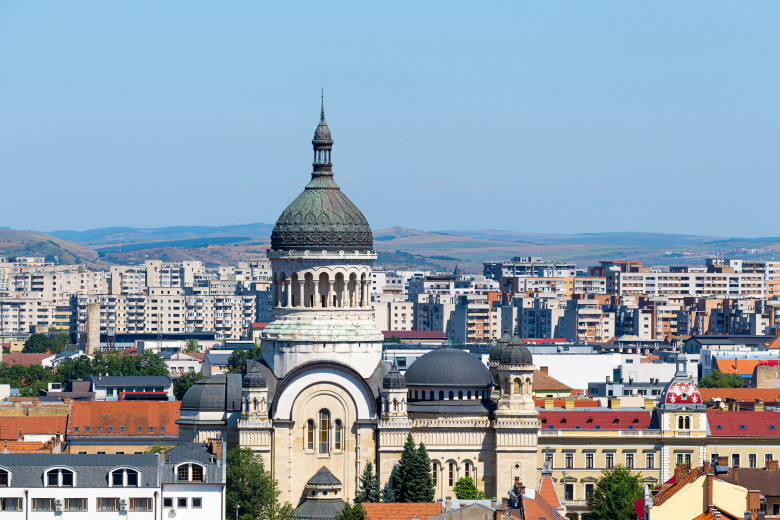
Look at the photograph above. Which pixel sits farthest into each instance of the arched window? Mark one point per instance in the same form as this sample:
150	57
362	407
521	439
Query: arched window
516	387
435	474
395	405
324	431
441	396
59	477
452	395
451	476
432	395
687	422
255	404
468	394
460	395
310	435
189	473
123	477
467	469
337	433
5	478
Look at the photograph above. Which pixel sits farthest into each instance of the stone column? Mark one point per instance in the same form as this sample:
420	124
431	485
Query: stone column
345	294
317	298
331	283
287	286
300	293
364	293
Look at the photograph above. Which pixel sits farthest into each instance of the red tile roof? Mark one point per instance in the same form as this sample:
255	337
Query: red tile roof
560	403
401	511
743	423
25	360
27	446
605	419
741	367
543	381
416	334
128	414
768	395
48	425
537	508
259	325
547	491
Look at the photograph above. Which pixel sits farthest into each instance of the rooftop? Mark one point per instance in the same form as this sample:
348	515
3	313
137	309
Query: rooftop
49	425
743	423
122	418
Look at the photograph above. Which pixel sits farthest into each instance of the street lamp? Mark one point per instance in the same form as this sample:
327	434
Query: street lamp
237	506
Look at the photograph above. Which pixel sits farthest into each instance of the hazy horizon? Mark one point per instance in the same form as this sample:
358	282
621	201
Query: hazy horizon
537	118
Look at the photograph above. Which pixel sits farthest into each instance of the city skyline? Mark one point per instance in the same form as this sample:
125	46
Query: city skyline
151	117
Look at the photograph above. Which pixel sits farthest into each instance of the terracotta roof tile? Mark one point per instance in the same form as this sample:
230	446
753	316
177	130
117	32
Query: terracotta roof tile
130	415
667	493
544	381
769	395
605	419
560	403
743	423
25	360
548	493
400	511
48	425
741	367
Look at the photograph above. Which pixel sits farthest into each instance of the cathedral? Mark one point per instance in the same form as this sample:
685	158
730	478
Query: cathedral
321	403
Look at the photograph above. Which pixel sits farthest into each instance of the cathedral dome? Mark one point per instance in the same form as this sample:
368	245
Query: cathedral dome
511	351
215	393
394	379
322	217
681	392
253	378
448	367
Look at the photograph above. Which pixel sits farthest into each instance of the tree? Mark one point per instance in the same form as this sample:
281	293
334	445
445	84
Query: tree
465	489
352	512
413	479
36	344
159	447
237	360
718	379
191	346
252	489
57	344
615	494
393	339
368	488
388	493
184	382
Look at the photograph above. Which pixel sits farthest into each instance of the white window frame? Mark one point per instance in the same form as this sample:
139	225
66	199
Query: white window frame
59	470
124	470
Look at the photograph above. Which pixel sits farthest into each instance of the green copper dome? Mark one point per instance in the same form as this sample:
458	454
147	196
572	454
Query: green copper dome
322	217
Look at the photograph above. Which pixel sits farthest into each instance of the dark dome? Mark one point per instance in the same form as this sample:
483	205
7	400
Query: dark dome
322	217
394	379
448	367
253	380
215	393
511	352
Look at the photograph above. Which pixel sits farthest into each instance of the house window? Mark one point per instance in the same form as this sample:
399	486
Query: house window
735	460
167	502
650	460
548	458
629	460
75	504
189	473
767	458
588	491
752	460
569	460
589	460
181	502
324	431
310	435
776	509
10	504
609	460
337	435
568	492
684	422
435	474
140	504
59	478
108	504
451	479
197	502
684	458
43	504
124	478
4	478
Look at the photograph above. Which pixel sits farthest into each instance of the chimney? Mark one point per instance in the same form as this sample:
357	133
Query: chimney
759	406
607	379
753	501
568	403
215	446
723	461
708	491
735	472
771	464
504	505
681	471
549	403
649	404
544	370
614	403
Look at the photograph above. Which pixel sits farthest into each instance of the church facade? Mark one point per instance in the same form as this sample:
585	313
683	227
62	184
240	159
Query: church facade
322	402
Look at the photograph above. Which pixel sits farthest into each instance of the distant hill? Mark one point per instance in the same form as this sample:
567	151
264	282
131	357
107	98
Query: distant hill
31	243
129	235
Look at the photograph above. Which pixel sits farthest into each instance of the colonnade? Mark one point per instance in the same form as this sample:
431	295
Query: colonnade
312	290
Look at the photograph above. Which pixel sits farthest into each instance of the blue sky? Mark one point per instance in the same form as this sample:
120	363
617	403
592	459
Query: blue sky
538	117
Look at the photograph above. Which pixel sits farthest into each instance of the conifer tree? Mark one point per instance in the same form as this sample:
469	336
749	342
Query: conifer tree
421	489
404	474
388	493
368	488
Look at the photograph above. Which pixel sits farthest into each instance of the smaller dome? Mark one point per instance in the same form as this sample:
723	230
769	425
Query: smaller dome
511	352
394	379
681	392
322	134
448	367
253	378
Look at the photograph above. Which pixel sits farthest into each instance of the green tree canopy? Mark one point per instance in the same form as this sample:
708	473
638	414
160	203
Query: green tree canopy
352	512
413	478
237	360
465	489
191	346
252	488
718	379
368	487
184	382
615	494
388	493
158	447
36	344
393	339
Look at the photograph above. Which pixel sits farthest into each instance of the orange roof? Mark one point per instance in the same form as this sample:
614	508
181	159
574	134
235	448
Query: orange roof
742	367
543	381
560	403
27	446
769	395
49	425
124	418
667	493
25	360
773	343
401	511
547	491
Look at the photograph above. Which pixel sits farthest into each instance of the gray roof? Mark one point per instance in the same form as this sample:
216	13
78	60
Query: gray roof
319	509
191	452
448	367
323	478
130	380
455	407
27	470
215	393
217	359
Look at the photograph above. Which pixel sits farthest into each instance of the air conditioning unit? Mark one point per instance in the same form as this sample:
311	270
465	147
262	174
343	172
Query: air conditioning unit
123	505
58	505
173	511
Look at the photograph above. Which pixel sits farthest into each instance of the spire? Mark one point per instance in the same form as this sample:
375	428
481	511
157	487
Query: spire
322	143
322	105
